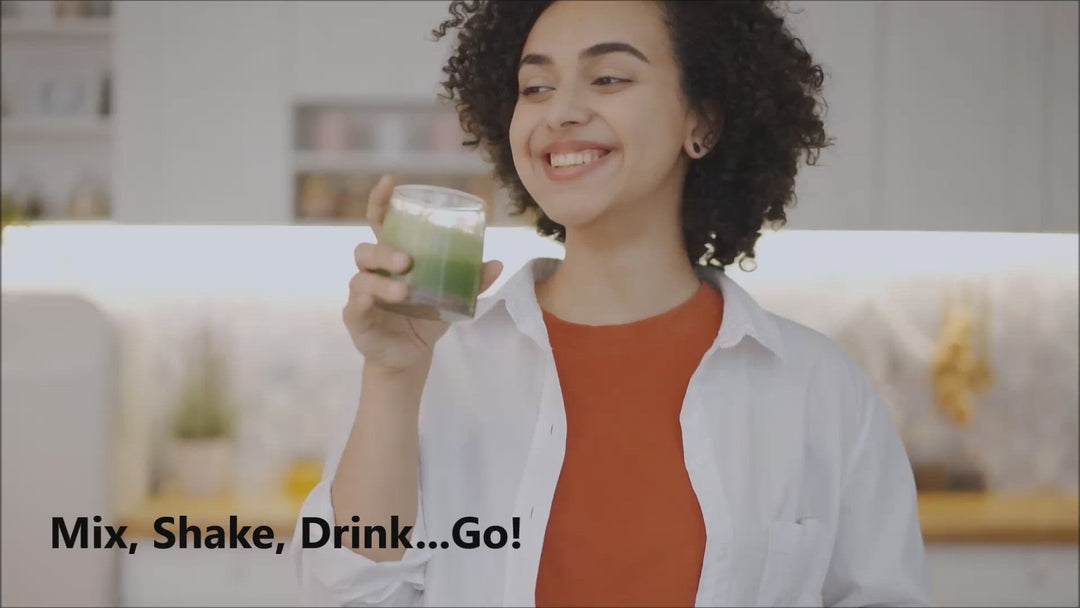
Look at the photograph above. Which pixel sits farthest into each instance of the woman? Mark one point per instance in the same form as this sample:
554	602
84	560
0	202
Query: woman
642	430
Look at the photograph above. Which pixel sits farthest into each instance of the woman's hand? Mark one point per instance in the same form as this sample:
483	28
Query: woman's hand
390	340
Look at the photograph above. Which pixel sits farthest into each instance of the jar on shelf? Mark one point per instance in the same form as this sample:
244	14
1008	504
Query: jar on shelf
89	199
446	133
302	473
418	135
354	199
332	130
360	132
100	8
72	9
392	133
105	95
318	197
25	199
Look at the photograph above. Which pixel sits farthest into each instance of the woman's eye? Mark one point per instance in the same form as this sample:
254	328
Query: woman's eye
609	80
532	90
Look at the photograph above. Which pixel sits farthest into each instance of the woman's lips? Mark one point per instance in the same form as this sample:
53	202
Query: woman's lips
562	174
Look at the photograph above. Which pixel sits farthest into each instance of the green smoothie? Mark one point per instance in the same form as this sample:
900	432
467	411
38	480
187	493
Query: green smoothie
447	249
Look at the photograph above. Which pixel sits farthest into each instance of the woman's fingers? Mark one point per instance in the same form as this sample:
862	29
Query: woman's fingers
376	262
378	202
376	257
364	288
384	288
489	272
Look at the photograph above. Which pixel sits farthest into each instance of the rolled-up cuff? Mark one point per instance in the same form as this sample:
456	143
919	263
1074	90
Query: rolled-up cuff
341	576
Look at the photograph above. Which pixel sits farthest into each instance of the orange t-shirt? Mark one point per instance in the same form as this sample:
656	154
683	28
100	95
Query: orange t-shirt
625	527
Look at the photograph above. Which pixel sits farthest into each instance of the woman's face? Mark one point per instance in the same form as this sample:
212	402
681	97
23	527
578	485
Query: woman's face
600	122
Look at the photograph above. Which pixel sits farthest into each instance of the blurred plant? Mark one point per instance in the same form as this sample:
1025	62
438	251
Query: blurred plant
19	205
10	212
203	408
960	369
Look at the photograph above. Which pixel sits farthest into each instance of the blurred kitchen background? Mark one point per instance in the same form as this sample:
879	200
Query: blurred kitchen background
184	182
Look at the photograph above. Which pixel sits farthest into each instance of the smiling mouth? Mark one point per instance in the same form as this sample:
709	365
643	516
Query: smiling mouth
575	159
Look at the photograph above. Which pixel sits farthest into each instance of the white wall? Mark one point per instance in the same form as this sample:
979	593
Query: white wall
947	115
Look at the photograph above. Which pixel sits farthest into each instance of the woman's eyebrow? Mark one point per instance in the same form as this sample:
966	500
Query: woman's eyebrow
593	51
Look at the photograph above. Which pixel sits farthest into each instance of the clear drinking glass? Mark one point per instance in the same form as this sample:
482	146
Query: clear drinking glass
442	229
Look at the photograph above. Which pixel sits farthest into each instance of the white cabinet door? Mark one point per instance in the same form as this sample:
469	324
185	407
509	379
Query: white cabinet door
366	50
202	119
963	101
1061	152
1003	575
59	355
838	192
207	577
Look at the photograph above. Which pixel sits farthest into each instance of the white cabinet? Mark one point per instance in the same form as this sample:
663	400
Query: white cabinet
55	132
965	125
373	51
1003	575
961	116
960	575
202	126
207	94
947	115
838	192
1060	148
60	361
207	577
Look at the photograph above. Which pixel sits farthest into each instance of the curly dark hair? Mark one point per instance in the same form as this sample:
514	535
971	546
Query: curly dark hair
735	57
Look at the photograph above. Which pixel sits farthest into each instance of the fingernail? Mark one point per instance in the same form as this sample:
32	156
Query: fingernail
400	259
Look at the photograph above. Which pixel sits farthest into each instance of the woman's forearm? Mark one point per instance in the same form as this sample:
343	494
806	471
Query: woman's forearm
377	475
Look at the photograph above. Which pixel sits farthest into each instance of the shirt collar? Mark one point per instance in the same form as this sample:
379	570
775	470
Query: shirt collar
743	316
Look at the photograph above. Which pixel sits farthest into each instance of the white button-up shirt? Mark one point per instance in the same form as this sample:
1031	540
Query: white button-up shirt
805	489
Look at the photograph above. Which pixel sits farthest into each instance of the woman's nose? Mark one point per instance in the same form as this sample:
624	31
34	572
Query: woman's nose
566	107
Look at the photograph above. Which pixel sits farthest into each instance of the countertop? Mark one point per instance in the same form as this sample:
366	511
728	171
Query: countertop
945	516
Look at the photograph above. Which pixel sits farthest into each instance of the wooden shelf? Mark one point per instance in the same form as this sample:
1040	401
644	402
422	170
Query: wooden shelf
25	127
405	162
14	28
945	516
995	518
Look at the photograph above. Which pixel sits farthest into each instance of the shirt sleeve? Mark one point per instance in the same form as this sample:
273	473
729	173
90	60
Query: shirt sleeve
338	576
879	557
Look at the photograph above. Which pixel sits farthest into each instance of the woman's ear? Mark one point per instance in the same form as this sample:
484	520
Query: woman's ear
705	132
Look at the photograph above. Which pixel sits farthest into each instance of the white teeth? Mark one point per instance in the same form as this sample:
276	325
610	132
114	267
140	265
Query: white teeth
575	158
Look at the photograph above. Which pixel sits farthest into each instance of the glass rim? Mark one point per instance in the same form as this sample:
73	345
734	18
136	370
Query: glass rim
459	199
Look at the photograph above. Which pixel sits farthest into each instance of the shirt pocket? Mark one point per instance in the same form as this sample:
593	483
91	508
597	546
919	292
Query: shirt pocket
786	577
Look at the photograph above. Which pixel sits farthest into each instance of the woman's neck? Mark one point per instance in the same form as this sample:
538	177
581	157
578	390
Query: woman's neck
606	280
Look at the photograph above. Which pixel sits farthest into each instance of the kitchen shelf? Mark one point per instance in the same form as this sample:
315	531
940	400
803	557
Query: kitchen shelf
378	162
89	28
54	126
998	518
